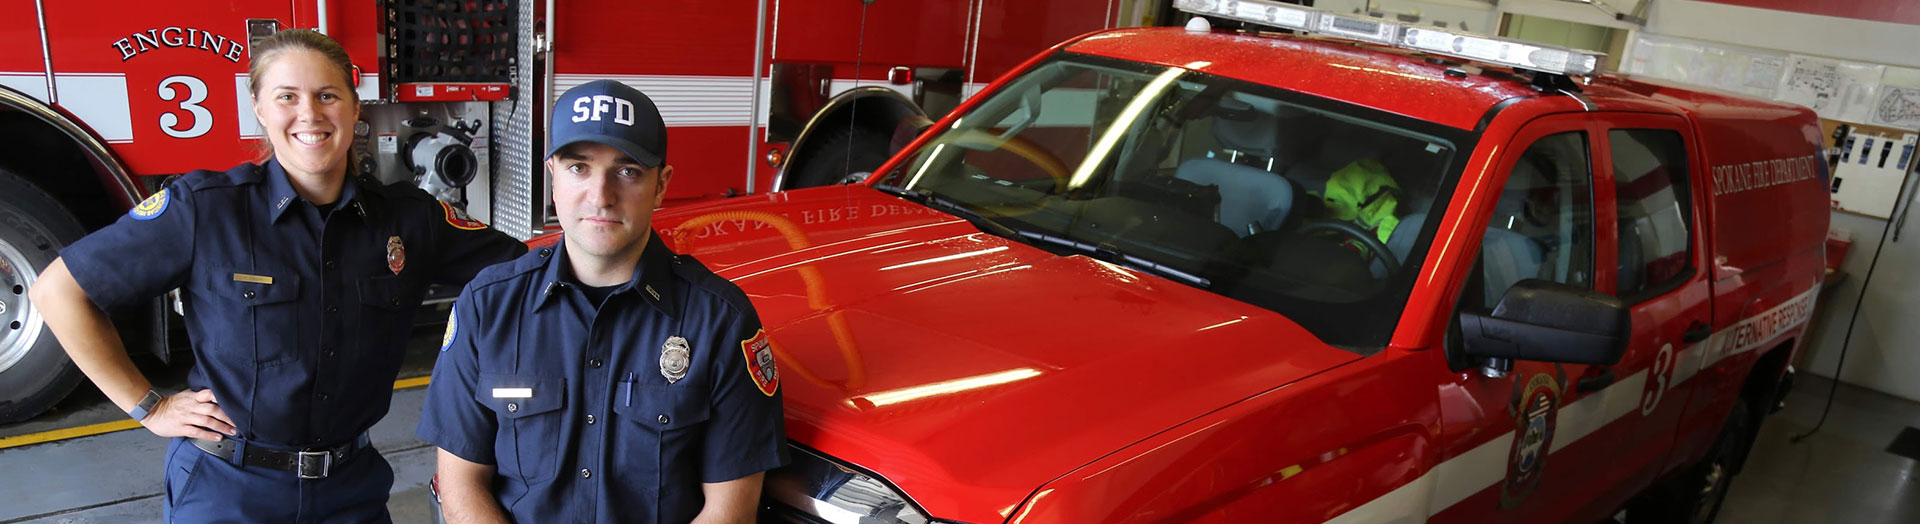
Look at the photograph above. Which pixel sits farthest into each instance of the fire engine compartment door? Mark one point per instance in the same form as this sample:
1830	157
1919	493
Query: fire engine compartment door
166	86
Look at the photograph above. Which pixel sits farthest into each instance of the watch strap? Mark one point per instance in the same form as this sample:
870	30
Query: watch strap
146	405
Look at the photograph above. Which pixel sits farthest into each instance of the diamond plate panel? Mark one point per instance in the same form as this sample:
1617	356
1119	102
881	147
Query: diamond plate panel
516	176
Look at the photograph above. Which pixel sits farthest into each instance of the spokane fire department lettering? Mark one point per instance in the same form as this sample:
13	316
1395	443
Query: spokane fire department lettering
151	39
1747	176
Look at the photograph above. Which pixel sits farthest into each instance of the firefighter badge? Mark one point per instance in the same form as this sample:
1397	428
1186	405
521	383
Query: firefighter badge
675	357
1534	424
396	254
760	366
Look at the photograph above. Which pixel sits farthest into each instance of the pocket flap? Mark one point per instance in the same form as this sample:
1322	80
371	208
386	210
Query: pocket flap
387	292
664	407
515	396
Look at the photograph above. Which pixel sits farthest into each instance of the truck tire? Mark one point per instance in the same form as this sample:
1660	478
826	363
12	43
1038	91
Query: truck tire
1695	496
34	372
840	153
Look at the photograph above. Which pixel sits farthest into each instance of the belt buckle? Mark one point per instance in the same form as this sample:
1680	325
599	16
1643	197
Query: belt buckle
307	461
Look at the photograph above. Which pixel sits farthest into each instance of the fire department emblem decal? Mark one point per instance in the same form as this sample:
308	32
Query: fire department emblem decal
459	219
675	357
760	366
151	207
1534	424
396	254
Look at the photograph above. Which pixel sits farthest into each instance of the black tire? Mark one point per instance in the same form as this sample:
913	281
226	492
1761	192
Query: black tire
1695	496
34	372
840	152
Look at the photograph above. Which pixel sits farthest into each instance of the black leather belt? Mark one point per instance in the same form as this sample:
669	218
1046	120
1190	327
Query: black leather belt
311	463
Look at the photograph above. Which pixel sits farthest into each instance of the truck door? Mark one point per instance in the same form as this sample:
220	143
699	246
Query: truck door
165	85
1520	442
1655	239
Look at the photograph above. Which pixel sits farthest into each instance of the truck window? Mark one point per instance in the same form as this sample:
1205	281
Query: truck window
1542	225
1650	184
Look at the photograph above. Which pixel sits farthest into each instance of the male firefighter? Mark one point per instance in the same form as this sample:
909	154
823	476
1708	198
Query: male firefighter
604	379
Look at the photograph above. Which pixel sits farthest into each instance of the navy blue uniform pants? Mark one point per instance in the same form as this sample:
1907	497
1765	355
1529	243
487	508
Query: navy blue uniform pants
202	488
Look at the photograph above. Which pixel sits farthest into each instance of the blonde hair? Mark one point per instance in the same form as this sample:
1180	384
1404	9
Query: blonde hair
270	48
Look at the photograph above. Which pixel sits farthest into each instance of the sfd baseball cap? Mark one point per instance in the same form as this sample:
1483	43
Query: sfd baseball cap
609	112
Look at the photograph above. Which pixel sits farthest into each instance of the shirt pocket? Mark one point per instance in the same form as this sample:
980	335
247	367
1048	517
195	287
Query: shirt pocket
387	306
666	425
259	312
532	423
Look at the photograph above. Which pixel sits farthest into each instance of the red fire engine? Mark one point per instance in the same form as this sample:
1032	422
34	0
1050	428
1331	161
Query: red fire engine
101	100
1365	273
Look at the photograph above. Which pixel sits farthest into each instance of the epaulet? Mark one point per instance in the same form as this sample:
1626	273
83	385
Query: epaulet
530	262
395	190
697	276
243	174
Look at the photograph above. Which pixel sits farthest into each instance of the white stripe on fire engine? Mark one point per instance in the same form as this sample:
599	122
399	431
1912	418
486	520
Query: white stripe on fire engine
708	101
684	100
102	103
32	84
1485	465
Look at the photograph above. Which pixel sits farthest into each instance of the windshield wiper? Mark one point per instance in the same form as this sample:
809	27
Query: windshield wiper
1106	252
928	198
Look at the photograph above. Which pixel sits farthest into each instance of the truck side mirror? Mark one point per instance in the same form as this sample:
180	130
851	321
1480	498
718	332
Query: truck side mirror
1549	321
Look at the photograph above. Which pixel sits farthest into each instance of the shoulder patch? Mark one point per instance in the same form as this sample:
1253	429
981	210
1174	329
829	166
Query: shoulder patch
453	326
152	207
760	366
459	219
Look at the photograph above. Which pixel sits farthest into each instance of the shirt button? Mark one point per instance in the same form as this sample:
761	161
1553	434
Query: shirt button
323	396
512	407
330	264
664	419
396	301
246	294
333	309
546	251
328	353
593	363
586	473
589	419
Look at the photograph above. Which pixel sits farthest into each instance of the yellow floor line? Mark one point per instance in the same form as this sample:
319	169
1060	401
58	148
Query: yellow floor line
123	425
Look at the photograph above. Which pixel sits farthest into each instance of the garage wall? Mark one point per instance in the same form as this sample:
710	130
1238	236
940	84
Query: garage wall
1884	355
1831	36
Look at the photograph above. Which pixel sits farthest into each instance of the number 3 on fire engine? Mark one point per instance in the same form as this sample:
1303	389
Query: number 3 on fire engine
196	93
1657	377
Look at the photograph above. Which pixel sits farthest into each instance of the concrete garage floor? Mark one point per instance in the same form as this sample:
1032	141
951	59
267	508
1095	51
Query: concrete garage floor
1841	475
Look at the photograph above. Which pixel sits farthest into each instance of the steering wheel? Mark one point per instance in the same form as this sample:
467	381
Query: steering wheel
1375	247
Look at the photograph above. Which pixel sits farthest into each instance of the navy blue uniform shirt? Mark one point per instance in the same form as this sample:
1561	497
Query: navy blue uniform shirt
571	401
298	320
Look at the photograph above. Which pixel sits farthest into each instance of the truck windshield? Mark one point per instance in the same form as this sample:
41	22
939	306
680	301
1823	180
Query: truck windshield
1302	205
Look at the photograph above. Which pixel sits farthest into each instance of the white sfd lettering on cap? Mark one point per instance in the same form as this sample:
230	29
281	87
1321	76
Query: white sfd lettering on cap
580	111
590	108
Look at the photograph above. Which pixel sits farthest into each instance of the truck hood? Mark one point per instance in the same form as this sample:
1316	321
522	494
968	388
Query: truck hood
965	367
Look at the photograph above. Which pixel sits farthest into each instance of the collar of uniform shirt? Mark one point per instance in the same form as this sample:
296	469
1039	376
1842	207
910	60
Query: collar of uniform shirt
280	194
655	272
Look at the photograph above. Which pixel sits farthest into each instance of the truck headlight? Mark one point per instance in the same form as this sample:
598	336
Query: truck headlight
817	488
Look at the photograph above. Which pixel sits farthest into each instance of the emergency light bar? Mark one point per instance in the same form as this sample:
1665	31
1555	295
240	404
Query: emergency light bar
1502	51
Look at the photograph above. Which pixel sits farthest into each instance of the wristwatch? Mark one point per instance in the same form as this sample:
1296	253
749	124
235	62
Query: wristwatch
146	404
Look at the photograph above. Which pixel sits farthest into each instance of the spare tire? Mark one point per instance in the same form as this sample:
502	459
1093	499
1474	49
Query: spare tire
34	372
